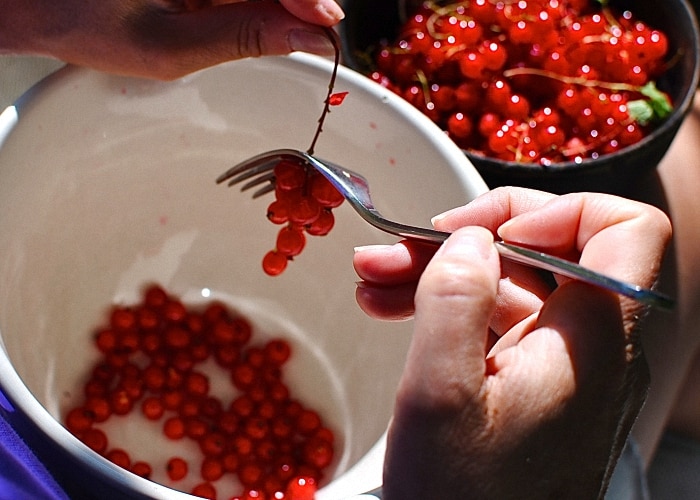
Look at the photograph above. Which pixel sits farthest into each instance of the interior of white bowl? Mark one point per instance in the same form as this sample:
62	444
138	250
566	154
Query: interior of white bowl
108	183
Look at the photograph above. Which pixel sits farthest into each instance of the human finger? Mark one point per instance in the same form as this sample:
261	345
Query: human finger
387	265
390	273
392	303
492	208
612	235
321	12
445	367
164	39
179	43
455	299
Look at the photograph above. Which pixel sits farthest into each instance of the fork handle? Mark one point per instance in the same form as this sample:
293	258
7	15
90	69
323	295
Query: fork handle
569	269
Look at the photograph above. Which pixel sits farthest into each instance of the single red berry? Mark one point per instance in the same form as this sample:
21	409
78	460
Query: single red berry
242	445
152	408
256	428
106	340
174	428
301	488
196	384
213	444
172	399
459	126
243	406
212	469
176	337
308	422
99	407
122	319
95	439
195	427
119	457
289	175
176	468
274	263
322	225
290	241
251	474
278	212
147	319
79	419
243	376
305	211
230	462
120	402
155	297
325	192
204	490
174	311
142	469
277	351
318	453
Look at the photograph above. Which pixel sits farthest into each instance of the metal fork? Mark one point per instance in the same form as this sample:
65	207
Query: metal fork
258	171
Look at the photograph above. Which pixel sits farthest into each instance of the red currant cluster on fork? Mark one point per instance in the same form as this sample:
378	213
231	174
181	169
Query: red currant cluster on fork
304	200
538	81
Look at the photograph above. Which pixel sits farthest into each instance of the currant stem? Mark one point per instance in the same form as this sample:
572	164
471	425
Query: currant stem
331	85
574	80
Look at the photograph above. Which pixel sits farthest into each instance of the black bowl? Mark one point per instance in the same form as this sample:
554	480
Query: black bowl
369	23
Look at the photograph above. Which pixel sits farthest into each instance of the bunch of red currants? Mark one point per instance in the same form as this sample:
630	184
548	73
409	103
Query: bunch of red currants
304	203
538	81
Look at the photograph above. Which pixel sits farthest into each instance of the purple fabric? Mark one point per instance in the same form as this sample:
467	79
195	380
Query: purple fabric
22	476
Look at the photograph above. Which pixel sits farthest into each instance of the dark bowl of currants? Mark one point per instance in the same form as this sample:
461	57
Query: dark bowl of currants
559	95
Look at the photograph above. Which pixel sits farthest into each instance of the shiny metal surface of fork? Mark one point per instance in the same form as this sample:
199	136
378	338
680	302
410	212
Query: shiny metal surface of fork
258	171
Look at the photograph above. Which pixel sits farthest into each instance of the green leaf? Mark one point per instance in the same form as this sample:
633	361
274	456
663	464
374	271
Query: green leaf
656	107
641	111
658	100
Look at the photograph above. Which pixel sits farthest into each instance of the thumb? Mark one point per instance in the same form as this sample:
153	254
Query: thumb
454	302
179	43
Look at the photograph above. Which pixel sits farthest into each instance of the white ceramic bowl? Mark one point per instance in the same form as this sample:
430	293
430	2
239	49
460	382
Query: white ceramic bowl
108	183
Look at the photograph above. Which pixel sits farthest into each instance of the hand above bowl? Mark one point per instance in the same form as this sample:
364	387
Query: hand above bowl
165	39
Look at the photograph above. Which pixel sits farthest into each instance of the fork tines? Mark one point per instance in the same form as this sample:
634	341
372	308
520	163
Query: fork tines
247	169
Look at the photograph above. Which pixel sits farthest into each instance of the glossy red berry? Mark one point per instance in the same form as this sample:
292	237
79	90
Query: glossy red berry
176	468
119	457
274	263
142	469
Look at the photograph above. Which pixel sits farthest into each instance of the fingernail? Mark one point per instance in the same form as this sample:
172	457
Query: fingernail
441	216
332	10
370	247
309	41
438	218
504	227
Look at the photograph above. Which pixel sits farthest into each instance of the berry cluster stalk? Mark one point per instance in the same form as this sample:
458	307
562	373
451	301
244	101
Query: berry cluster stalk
331	84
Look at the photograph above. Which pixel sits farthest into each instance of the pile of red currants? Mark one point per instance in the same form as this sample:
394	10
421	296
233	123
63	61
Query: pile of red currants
536	81
151	354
